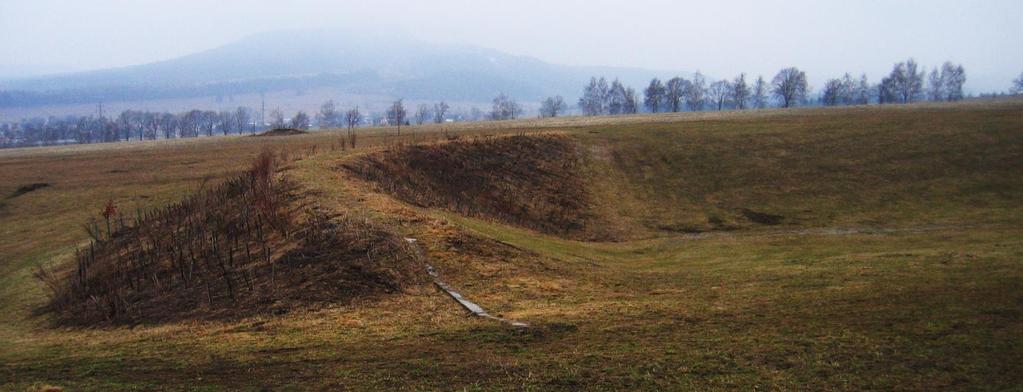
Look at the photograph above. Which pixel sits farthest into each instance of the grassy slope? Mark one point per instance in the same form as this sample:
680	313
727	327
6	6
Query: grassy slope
930	308
852	168
904	311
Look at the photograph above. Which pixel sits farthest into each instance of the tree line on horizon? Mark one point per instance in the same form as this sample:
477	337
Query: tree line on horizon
127	126
137	125
906	83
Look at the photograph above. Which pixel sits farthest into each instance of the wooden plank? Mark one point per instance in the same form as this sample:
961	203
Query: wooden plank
472	307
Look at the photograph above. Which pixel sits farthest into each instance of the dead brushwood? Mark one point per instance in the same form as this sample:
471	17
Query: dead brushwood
195	258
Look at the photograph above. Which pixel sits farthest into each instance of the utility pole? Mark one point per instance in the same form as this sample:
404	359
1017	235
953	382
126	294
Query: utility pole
262	110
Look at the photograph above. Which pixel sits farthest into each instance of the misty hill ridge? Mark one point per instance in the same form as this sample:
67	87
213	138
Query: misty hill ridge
357	63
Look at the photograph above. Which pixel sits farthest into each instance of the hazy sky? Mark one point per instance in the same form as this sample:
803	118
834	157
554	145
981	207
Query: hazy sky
720	38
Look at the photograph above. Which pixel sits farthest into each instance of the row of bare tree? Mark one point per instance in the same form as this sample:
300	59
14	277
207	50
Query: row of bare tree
145	125
905	84
679	94
504	108
128	125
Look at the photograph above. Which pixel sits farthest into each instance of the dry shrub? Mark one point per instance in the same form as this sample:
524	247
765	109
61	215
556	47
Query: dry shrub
531	181
231	250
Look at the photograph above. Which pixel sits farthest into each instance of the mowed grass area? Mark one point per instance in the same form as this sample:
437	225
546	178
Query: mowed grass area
937	303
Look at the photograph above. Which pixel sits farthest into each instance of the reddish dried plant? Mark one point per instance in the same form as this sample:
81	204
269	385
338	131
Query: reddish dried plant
108	212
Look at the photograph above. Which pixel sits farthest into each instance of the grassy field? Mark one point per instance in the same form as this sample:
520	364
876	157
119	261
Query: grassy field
841	249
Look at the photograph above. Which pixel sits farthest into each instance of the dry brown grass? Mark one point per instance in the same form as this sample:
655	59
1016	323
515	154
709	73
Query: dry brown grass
783	309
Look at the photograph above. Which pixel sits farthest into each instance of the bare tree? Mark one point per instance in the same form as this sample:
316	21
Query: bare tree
695	92
552	106
594	100
847	90
153	123
124	123
396	114
914	84
225	122
719	92
674	90
277	119
616	98
328	117
904	84
759	93
170	125
630	102
421	114
861	94
840	91
138	124
352	119
504	108
935	86
300	121
740	92
242	117
1017	85
954	77
831	95
208	121
188	123
440	109
886	91
653	96
789	85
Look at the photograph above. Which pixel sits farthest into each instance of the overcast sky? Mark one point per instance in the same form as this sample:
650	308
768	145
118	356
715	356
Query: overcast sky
720	38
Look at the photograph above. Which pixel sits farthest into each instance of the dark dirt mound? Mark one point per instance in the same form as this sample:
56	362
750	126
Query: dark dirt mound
248	246
531	181
282	132
28	188
761	217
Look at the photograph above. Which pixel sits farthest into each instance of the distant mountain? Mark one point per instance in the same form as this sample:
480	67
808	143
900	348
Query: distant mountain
21	71
305	59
